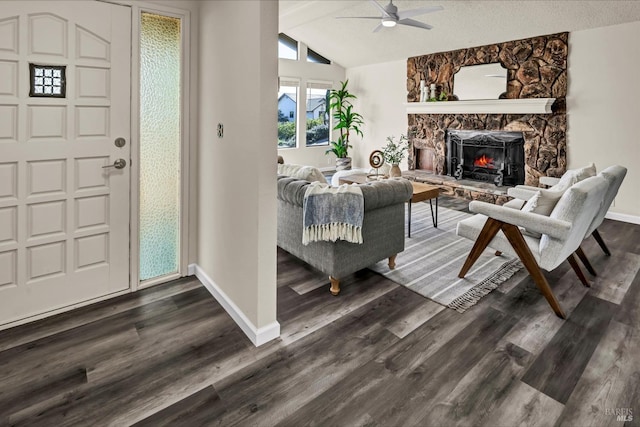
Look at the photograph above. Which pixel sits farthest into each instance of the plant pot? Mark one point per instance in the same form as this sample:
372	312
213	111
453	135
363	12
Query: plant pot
343	163
395	170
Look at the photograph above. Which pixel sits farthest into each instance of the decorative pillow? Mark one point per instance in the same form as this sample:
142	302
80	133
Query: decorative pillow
541	203
572	176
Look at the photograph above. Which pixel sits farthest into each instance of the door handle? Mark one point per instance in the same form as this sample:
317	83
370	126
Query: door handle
118	164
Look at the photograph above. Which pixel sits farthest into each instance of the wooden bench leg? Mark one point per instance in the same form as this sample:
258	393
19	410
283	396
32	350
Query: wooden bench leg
489	231
576	268
335	285
585	261
392	261
596	235
524	253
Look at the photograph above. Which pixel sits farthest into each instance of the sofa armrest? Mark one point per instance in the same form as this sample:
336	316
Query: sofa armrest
542	224
522	192
549	181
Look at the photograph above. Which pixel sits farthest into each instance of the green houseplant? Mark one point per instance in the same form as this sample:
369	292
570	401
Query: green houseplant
394	153
346	121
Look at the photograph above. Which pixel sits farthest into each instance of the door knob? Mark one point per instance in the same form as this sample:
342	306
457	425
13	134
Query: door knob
118	164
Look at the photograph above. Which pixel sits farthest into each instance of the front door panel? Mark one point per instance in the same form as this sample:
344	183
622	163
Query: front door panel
64	217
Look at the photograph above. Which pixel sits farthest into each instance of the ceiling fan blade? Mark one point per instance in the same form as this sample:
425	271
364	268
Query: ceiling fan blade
414	23
358	17
420	11
378	28
384	12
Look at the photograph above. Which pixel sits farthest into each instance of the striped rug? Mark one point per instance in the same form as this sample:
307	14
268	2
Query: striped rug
432	259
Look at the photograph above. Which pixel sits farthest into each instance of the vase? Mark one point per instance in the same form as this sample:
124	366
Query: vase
395	170
343	163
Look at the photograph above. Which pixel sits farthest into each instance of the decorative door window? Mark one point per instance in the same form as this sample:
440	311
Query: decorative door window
47	81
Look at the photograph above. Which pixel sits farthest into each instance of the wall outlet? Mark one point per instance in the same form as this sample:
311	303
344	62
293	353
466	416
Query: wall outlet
328	160
220	130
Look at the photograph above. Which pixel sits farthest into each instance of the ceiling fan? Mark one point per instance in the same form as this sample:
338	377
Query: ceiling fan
390	16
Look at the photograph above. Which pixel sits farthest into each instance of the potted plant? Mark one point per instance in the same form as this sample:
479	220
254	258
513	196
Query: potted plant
346	121
394	153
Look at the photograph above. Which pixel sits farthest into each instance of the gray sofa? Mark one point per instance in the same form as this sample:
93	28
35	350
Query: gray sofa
382	229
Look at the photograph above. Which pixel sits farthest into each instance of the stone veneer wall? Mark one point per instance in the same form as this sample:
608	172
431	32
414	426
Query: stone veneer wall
536	68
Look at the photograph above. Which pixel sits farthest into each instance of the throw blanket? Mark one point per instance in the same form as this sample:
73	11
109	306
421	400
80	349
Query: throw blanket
332	213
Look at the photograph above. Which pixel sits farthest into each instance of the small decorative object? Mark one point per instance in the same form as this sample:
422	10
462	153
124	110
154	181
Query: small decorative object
394	153
376	160
423	91
433	90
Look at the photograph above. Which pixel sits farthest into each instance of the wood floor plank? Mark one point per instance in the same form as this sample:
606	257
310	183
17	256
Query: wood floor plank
615	274
72	319
524	406
609	380
559	366
629	310
195	410
538	323
414	317
482	389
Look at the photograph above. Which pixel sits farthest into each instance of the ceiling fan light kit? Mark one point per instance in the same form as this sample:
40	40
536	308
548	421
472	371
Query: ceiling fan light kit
390	16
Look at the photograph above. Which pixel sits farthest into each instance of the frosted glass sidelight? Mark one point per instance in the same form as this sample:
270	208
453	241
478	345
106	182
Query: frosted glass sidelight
160	60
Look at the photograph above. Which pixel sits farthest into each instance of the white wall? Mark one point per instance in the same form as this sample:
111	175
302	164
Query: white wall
305	71
381	91
603	104
237	173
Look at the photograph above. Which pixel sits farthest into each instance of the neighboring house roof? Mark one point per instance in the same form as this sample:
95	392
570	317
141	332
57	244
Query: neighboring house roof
314	103
287	96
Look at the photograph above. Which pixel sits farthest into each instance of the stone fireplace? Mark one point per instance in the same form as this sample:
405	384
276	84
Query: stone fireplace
536	68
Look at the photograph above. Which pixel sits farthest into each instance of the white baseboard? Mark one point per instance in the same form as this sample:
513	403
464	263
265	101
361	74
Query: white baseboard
191	270
633	219
258	336
328	169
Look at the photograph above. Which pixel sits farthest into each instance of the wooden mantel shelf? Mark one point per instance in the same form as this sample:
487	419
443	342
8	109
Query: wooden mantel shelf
483	106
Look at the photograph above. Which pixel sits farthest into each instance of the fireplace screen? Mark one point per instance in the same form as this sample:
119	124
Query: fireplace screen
489	156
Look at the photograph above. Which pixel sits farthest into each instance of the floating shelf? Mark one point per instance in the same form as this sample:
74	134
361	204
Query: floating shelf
483	106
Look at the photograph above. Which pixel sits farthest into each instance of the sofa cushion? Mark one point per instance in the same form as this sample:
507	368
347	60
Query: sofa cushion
573	176
542	203
308	173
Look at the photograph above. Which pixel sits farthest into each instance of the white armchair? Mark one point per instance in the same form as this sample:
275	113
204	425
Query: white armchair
560	233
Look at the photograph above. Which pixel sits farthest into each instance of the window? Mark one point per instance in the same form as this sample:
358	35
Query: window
318	121
313	56
287	47
287	114
47	81
160	139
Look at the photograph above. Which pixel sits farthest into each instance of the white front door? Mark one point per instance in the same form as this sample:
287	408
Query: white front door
64	217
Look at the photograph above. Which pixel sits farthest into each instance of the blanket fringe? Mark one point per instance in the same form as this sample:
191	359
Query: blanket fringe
332	232
473	295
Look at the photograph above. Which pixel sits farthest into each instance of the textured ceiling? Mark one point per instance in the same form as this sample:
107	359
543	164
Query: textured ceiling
351	42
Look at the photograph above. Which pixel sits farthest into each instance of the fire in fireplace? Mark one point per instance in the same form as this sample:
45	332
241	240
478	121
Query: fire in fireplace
489	156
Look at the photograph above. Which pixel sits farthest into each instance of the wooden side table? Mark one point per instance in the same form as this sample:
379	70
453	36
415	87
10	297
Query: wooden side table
422	192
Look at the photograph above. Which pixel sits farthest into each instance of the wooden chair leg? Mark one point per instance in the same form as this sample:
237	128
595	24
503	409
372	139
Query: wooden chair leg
576	267
596	235
392	261
524	253
335	285
585	261
489	231
498	253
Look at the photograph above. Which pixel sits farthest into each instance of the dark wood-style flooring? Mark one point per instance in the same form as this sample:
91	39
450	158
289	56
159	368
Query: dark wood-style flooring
377	355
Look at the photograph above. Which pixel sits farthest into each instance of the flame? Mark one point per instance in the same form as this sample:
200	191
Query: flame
484	162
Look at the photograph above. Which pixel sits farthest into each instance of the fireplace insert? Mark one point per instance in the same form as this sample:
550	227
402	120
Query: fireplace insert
489	156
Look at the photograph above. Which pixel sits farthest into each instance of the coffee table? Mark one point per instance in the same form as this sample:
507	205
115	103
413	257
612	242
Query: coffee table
421	193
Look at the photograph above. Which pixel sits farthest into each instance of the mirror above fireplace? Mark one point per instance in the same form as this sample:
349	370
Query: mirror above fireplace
486	81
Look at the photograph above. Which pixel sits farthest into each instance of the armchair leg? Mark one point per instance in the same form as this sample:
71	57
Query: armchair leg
596	235
392	261
576	267
585	261
335	285
524	253
489	231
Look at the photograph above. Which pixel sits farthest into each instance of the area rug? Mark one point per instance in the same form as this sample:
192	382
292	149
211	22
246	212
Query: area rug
433	257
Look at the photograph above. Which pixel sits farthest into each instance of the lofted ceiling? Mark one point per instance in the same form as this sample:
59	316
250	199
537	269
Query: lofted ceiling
462	23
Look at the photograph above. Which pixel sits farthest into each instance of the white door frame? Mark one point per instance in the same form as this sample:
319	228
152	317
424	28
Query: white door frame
137	8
